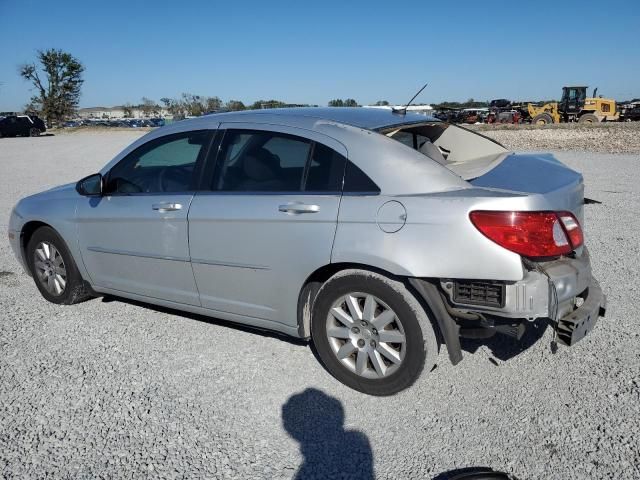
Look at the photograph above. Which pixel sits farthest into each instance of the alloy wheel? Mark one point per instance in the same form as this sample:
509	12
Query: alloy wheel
50	268
366	335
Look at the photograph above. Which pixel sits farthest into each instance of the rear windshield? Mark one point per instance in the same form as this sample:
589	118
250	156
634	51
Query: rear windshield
454	147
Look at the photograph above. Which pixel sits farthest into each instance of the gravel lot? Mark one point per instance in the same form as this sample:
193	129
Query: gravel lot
116	389
609	137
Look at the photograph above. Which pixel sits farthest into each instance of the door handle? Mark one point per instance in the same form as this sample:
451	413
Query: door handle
296	208
166	207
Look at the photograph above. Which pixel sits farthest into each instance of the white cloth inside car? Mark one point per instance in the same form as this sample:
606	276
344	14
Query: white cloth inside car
433	152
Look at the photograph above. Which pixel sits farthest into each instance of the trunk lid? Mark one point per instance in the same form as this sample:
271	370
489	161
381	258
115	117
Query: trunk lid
529	173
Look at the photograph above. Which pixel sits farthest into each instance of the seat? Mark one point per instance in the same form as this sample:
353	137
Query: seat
262	171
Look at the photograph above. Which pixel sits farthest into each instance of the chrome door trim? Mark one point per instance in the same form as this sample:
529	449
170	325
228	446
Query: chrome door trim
137	254
202	261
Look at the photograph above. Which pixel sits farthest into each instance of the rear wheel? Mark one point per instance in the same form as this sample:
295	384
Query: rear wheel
53	268
589	118
542	119
371	333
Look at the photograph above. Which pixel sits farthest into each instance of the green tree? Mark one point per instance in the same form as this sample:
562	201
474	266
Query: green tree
212	104
234	105
58	82
192	105
338	102
259	104
381	103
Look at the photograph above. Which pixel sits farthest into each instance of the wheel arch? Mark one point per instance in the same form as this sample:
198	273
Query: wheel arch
311	286
315	280
26	232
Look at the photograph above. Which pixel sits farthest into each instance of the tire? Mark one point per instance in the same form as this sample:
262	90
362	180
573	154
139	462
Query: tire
588	118
362	365
542	119
54	271
34	132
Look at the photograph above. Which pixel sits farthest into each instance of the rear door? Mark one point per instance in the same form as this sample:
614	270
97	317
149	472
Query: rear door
267	221
134	239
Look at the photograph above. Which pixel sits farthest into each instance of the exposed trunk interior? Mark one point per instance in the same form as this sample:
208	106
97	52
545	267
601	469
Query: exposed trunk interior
466	153
485	163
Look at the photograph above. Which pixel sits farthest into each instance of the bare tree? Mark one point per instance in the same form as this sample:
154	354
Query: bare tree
127	110
149	107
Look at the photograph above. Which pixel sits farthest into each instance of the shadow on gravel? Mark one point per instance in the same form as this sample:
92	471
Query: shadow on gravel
210	320
505	348
316	421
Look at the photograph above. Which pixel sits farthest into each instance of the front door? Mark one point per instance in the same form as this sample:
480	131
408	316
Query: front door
134	239
267	222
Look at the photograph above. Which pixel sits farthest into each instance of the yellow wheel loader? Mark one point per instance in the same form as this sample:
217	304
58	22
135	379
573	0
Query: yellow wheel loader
575	107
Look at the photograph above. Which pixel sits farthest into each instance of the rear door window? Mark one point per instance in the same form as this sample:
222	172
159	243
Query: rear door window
325	171
261	161
356	181
265	161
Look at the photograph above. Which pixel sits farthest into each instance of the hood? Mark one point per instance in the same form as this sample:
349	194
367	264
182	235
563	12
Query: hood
57	192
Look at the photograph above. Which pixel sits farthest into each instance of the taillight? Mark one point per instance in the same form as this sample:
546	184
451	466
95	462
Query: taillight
531	234
572	227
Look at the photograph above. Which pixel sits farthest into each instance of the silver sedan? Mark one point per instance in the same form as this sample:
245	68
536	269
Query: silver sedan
379	235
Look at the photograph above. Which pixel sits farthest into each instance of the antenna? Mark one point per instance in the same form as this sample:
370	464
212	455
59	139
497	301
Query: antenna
403	110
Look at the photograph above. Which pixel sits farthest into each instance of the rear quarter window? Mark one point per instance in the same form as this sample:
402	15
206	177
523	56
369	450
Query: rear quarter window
356	181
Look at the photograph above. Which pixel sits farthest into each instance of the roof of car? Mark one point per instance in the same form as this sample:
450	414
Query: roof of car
367	118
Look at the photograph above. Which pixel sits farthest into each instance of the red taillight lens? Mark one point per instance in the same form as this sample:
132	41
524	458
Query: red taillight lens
531	234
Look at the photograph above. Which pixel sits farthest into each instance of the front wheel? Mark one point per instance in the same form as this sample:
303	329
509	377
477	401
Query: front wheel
34	132
371	333
542	119
589	118
53	268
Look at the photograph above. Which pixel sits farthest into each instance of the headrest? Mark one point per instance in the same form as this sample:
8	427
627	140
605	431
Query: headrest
261	165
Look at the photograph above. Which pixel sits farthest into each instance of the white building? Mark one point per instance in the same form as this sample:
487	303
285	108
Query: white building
118	112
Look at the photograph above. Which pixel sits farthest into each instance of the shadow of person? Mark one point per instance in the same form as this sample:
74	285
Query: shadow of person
316	421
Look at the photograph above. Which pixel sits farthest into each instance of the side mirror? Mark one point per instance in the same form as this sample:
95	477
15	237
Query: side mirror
90	186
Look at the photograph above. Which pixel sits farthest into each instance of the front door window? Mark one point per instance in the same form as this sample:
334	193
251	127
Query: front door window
166	164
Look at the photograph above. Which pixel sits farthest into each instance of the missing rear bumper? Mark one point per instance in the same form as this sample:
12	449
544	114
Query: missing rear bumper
575	325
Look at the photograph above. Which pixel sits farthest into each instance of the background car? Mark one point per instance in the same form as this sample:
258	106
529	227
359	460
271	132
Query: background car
21	126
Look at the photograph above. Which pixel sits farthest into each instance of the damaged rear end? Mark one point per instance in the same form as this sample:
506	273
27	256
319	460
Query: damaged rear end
531	205
557	283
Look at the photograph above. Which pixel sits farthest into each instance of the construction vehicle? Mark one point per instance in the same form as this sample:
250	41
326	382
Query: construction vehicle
575	107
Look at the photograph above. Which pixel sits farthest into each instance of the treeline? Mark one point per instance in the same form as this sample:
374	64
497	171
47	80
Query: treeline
471	103
191	105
